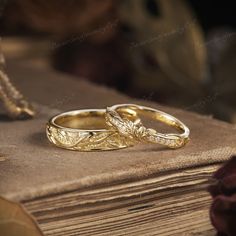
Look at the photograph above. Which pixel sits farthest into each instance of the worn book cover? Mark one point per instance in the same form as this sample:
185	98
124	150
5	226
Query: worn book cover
142	190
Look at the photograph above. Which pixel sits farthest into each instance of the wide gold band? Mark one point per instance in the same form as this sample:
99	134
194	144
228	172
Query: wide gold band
136	130
84	130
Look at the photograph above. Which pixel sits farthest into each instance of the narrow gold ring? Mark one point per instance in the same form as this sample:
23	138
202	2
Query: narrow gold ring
136	130
84	130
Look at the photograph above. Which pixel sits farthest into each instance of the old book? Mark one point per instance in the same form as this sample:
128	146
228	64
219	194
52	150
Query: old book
143	190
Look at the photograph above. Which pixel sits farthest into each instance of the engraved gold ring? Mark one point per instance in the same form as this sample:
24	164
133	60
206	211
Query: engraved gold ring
117	117
86	130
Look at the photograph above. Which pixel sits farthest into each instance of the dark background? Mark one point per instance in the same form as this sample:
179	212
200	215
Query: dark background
210	13
103	59
213	14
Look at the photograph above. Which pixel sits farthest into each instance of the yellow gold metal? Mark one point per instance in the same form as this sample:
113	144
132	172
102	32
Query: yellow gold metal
117	117
16	105
85	130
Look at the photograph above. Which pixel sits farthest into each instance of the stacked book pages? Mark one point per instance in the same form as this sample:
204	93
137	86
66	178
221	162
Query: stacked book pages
142	190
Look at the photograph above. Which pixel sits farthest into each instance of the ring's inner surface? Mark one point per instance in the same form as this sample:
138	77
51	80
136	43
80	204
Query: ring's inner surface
151	117
84	120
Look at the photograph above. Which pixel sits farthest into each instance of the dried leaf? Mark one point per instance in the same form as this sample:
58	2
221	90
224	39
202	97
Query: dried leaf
15	221
172	39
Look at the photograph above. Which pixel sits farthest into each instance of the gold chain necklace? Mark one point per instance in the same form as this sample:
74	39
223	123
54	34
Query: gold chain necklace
16	105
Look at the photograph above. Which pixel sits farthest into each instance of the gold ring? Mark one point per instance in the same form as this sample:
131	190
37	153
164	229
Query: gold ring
116	117
85	130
